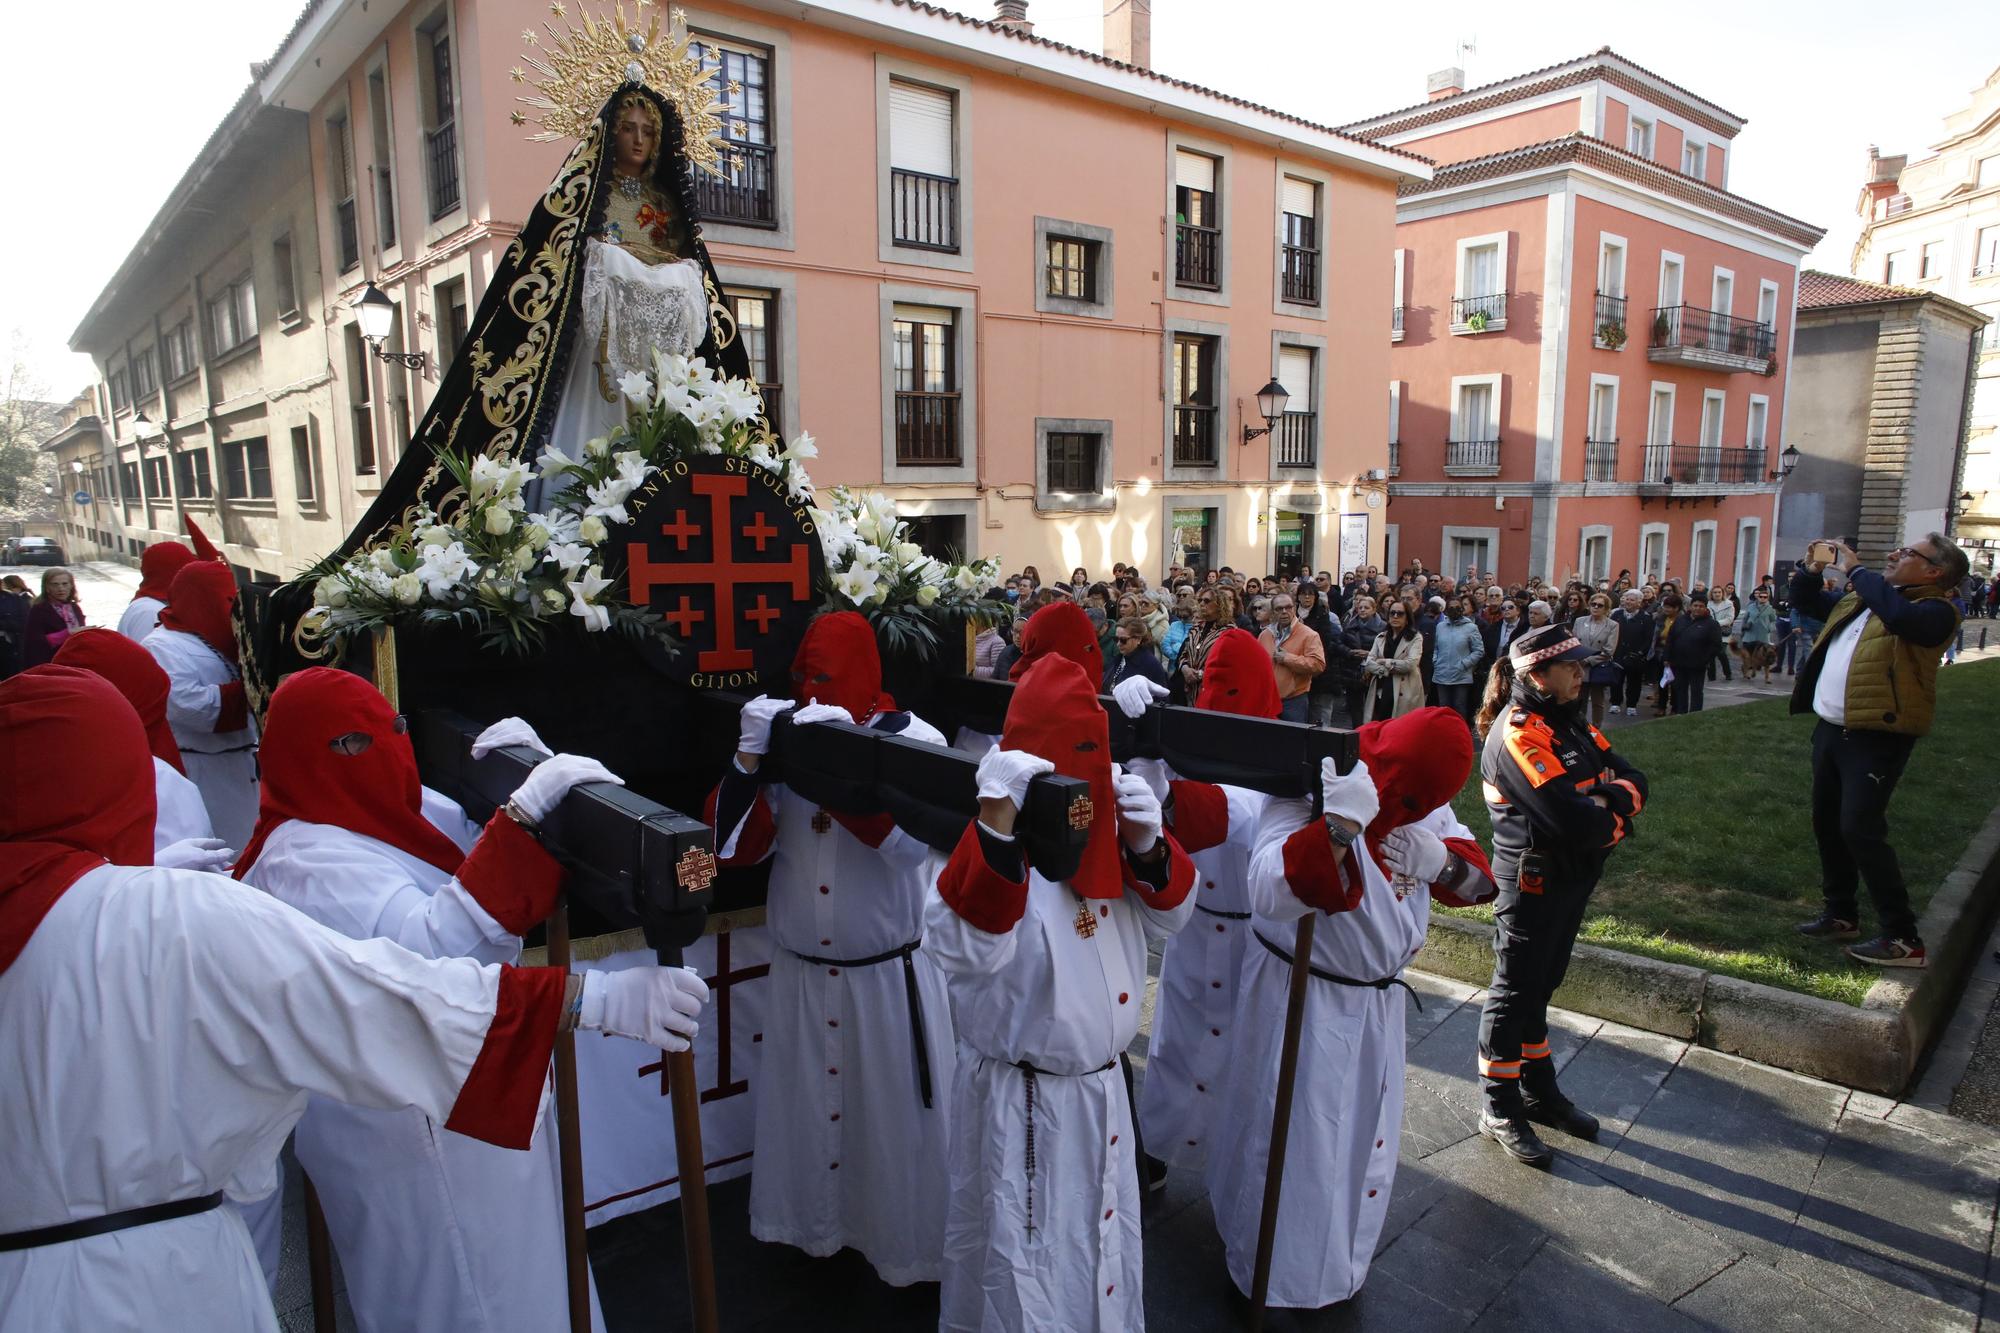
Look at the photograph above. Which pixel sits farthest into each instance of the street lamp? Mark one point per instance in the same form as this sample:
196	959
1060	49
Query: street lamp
1271	400
1787	460
376	314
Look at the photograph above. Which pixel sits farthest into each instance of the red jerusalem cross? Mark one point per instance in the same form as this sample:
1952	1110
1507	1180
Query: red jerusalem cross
724	980
722	572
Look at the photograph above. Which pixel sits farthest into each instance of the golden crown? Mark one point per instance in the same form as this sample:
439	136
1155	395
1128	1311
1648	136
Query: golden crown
579	66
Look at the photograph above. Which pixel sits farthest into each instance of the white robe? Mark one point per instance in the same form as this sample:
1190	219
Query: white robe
207	1012
222	764
1193	1011
847	1153
1347	1110
178	812
1043	994
140	618
434	1230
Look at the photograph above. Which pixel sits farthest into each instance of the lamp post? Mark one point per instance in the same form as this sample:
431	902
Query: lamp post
376	314
1271	400
1787	460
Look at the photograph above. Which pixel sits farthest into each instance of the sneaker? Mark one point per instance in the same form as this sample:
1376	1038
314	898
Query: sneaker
1517	1138
1888	951
1630	711
1827	926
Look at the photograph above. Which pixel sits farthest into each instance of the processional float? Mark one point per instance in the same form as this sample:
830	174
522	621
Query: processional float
596	528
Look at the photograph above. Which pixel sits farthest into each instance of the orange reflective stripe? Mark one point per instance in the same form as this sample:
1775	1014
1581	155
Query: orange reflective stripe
1638	797
1598	736
1534	1050
1499	1068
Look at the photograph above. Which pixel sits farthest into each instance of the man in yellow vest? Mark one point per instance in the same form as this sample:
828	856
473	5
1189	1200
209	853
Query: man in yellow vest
1871	678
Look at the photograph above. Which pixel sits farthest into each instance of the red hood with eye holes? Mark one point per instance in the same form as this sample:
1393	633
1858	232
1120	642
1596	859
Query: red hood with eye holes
1055	714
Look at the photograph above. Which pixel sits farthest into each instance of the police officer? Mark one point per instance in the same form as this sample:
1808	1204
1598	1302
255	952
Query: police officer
1560	799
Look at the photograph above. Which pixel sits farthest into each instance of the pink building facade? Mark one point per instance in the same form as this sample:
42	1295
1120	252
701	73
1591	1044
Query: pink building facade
1592	333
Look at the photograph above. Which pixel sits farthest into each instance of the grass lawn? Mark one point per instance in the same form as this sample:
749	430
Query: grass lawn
1725	863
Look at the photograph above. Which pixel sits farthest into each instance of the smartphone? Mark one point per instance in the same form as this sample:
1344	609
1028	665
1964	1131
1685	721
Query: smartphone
1821	553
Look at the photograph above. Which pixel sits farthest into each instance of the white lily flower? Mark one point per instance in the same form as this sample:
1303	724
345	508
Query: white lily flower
443	568
553	461
803	449
592	583
569	556
636	387
633	469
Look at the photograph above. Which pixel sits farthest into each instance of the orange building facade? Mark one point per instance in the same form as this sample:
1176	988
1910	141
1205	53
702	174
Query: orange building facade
1591	332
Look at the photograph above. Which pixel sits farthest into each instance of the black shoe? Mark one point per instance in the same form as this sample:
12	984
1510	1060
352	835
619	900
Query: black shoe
1827	926
1559	1112
1154	1173
1517	1138
1888	951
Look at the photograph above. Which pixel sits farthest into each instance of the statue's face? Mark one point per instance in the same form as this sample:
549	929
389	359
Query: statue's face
636	138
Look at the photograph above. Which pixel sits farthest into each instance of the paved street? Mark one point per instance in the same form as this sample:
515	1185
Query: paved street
104	585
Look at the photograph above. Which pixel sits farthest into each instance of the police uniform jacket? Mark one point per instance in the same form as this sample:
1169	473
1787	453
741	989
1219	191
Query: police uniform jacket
1540	767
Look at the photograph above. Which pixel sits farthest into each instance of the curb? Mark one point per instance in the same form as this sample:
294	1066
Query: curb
1874	1047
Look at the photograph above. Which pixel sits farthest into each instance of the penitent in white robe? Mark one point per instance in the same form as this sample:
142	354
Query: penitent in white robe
194	1017
222	764
178	812
1041	993
1194	1022
1347	1110
847	1153
141	618
434	1230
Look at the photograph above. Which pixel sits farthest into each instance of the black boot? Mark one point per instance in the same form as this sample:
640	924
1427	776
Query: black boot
1547	1106
1517	1138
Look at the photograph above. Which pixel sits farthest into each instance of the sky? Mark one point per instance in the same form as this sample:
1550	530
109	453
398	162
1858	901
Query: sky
139	90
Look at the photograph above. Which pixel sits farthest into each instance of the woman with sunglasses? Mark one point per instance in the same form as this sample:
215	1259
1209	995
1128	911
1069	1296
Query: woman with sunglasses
1598	632
1394	666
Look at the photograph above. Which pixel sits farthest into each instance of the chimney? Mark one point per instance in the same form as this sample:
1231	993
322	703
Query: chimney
1445	83
1128	32
1013	14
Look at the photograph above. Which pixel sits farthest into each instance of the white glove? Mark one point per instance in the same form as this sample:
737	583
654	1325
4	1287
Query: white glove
210	854
820	713
552	779
1352	795
1156	773
756	723
1416	852
1135	694
656	1005
1004	774
508	731
1138	811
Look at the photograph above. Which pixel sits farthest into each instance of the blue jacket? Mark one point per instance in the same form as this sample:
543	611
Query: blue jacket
1456	651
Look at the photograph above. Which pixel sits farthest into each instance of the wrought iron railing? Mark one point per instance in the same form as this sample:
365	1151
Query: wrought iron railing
924	210
441	166
1194	435
745	192
1472	453
1301	274
1704	465
1468	310
1610	329
1686	328
1600	460
1195	251
927	430
1297	437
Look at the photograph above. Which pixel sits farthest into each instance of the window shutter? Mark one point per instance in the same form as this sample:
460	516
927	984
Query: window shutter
1194	171
1295	372
920	129
1395	410
926	314
1299	197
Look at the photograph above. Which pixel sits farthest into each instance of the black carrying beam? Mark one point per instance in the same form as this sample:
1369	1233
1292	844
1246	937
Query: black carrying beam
624	852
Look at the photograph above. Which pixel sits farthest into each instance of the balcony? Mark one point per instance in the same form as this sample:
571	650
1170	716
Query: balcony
1600	460
1472	458
1695	465
1608	327
743	193
1479	314
1195	251
1301	275
1194	435
1296	439
1683	335
1396	325
924	209
927	430
441	168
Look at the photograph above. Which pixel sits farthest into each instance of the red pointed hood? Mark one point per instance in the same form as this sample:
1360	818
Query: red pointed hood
1060	629
200	602
838	663
158	564
1419	761
76	790
1237	677
1055	714
376	792
204	549
132	670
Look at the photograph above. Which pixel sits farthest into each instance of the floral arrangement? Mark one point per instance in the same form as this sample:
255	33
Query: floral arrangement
874	568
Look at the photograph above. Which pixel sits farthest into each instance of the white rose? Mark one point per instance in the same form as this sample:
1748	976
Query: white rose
908	552
538	536
552	599
408	588
524	558
591	530
927	595
329	591
598	447
499	522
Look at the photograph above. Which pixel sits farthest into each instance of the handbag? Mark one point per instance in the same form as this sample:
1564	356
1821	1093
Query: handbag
1606	673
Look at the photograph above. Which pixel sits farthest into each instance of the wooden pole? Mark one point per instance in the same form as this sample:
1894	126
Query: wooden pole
1281	1118
685	1093
569	1143
319	1261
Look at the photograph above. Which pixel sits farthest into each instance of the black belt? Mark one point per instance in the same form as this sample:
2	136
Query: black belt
1380	983
916	1008
1226	916
98	1226
1028	1092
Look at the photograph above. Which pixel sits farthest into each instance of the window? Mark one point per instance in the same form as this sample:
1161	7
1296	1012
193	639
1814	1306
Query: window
1480	301
178	350
1300	275
1653	553
383	168
1474	446
1639	138
1611	267
1986	250
1396	311
286	275
304	483
156	478
1893	265
121	392
1767	304
340	179
232	316
925	342
1749	545
363	418
1395	426
756	311
144	377
1609	328
1295	439
1467	552
1073	462
1070	271
1691	159
1197	221
437	94
923	175
128	482
746	191
1596	557
1659	433
1722	294
1600	449
1930	260
1195	408
1756	428
246	469
191	475
1701	566
448	301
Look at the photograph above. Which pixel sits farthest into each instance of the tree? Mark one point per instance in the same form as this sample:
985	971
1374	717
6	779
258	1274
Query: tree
26	419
